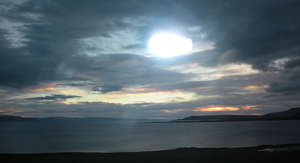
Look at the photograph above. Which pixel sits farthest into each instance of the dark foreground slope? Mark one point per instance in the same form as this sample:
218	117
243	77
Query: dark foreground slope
282	153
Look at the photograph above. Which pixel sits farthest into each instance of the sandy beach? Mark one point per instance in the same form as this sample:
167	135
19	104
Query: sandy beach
265	153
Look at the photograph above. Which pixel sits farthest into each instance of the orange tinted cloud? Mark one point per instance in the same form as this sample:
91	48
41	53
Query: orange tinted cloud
17	110
172	111
60	102
54	88
70	91
250	108
42	89
14	110
218	76
213	108
255	87
256	114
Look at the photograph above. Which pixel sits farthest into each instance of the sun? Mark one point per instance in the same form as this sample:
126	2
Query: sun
169	45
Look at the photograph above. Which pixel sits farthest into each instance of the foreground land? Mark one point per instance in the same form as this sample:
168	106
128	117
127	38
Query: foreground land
267	153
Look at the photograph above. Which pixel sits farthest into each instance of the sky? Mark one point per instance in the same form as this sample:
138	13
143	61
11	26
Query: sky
78	58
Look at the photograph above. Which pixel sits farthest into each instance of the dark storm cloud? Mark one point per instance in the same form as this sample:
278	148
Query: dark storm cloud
16	70
254	32
289	83
121	69
146	75
285	88
51	42
292	64
55	97
52	39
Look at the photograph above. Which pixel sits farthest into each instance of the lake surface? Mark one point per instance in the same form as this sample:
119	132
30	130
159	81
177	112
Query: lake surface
40	137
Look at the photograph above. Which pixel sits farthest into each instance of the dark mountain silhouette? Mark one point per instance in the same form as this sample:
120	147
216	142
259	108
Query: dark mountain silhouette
288	113
15	118
293	113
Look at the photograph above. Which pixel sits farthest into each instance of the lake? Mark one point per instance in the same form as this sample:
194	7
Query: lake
95	136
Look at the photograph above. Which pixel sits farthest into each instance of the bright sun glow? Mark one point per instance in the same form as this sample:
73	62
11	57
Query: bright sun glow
213	108
169	45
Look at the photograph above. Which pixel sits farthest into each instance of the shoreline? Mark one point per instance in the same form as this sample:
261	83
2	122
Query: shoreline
262	153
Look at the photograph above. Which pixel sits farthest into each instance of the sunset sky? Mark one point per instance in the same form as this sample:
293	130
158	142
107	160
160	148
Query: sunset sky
78	58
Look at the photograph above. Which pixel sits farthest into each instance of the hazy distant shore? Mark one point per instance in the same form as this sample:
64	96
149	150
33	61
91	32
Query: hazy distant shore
265	153
290	114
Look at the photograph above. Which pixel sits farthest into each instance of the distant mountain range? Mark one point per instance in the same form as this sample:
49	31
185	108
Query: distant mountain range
17	118
291	114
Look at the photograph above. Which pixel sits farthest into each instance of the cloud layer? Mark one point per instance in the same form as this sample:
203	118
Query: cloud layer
83	58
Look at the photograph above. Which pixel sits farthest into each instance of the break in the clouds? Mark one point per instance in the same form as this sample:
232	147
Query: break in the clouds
91	58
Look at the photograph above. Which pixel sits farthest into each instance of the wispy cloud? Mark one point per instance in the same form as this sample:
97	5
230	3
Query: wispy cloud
55	97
